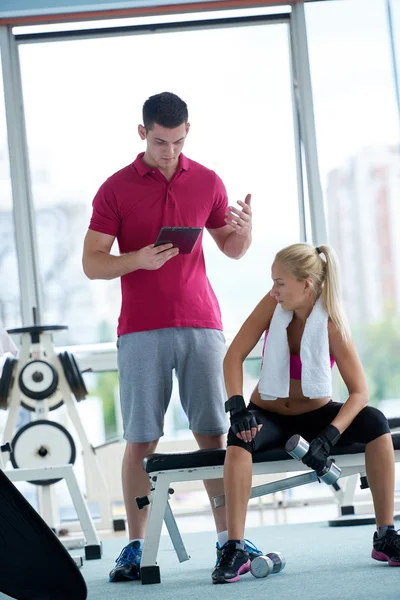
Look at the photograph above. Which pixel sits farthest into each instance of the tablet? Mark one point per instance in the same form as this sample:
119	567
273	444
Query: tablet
183	238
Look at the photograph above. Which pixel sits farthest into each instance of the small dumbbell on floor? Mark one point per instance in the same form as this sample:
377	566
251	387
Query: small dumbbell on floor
262	566
298	447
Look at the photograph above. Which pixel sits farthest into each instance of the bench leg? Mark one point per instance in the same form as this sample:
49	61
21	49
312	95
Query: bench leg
149	571
175	534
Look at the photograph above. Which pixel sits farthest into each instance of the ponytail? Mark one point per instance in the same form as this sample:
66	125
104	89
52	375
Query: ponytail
331	291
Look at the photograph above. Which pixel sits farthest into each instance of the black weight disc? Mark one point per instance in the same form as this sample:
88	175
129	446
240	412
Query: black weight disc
38	329
6	381
70	374
80	383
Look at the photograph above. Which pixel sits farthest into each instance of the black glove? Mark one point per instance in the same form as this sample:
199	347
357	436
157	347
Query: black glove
320	448
241	418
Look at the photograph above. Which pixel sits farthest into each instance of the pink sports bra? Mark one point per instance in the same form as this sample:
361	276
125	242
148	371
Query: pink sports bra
295	362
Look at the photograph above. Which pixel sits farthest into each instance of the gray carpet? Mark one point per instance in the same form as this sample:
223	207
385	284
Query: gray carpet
322	563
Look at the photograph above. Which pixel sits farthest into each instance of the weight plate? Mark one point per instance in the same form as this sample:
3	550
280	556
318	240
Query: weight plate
6	381
42	444
81	387
70	374
37	329
38	380
52	403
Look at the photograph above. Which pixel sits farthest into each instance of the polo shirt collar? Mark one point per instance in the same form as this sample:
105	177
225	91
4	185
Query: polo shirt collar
143	169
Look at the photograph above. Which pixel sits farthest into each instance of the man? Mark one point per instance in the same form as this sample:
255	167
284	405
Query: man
170	318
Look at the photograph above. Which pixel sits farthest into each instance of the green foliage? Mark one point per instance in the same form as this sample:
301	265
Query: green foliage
106	389
252	367
379	348
106	332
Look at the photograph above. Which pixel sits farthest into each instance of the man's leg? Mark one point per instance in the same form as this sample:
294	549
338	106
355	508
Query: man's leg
145	366
135	482
214	487
200	354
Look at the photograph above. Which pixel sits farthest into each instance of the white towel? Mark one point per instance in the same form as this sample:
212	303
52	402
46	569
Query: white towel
316	373
6	343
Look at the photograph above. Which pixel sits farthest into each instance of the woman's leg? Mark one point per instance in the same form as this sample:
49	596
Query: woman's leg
379	462
234	559
370	427
237	484
238	466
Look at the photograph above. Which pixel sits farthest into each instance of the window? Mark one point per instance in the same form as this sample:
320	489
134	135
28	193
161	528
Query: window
10	313
358	142
83	101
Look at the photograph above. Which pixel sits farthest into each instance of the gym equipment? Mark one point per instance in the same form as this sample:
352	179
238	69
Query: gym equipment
278	560
73	375
298	447
262	566
164	469
34	565
42	381
6	381
38	380
42	444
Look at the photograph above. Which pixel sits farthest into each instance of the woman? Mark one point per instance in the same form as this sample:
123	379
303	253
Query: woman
303	277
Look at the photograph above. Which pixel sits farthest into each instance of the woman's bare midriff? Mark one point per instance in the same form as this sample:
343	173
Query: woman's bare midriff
295	404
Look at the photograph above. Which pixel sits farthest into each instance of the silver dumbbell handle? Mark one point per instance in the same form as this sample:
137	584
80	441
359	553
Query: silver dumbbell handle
298	447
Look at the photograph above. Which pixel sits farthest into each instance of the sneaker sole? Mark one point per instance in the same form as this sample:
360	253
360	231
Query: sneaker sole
243	569
384	558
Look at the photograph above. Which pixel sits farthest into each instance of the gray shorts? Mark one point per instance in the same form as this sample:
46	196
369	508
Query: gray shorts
146	360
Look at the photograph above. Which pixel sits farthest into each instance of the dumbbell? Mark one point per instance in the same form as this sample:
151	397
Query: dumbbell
298	447
262	566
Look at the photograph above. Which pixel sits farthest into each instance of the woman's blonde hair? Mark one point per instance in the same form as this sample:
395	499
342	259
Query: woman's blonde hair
320	265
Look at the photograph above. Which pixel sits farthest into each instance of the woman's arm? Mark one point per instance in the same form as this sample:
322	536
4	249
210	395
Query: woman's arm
352	372
244	342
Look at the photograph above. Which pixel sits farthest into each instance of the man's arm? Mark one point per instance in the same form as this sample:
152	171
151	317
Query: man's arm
98	263
234	239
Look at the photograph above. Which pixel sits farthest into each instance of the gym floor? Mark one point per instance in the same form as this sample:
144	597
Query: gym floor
322	563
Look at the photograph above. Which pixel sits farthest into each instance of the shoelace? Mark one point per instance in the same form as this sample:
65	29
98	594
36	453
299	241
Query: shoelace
228	556
128	555
252	547
394	540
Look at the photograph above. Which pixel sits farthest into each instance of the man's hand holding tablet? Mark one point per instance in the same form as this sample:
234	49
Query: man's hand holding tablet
183	238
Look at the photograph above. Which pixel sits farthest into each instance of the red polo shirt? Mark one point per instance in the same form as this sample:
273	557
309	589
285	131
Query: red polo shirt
132	205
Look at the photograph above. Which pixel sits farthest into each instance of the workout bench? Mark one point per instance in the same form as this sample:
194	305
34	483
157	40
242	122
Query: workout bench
164	469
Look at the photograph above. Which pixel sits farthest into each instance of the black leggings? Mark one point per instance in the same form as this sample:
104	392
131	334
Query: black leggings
369	424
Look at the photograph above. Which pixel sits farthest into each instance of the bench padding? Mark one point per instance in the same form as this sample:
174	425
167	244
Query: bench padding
214	458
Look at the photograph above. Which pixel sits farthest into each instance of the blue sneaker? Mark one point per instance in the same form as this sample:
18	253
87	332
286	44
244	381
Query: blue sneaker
249	547
127	566
252	549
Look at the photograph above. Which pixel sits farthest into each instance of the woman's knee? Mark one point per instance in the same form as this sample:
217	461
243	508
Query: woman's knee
370	424
233	440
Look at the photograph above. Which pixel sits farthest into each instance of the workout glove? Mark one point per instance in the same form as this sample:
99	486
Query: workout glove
241	418
320	448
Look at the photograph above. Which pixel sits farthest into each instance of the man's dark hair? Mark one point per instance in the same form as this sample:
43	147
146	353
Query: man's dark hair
165	109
